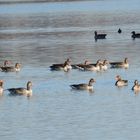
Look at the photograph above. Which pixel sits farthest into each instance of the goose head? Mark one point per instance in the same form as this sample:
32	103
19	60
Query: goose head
118	77
91	81
126	60
17	66
6	62
95	33
1	83
86	62
29	85
105	62
136	82
1	87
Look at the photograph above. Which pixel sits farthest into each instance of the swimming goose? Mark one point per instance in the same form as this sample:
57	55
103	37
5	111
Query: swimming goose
120	82
84	86
22	91
6	63
136	86
90	67
77	66
93	67
1	87
135	35
123	64
99	36
103	65
15	68
65	67
61	64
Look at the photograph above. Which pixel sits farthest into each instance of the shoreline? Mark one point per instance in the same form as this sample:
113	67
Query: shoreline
36	1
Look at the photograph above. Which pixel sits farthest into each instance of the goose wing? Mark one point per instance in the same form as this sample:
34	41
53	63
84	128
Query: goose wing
7	69
116	64
17	91
57	67
79	86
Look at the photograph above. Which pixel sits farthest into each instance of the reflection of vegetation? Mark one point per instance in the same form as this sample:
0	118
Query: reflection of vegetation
29	1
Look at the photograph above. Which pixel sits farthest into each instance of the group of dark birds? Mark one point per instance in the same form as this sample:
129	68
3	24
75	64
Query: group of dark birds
100	65
103	36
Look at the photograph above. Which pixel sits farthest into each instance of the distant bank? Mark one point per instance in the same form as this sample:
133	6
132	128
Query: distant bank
33	1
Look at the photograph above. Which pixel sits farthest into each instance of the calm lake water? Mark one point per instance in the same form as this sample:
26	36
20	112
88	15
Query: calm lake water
40	34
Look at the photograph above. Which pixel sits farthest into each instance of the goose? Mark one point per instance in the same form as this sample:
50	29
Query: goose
84	86
98	61
123	64
135	35
119	31
61	64
99	36
90	67
77	66
22	91
5	63
120	82
1	87
136	86
103	65
15	68
65	67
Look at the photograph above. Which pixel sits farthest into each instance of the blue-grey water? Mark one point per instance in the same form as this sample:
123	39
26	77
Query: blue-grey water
40	34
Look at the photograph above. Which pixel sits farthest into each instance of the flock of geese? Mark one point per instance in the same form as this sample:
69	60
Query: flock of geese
100	65
14	91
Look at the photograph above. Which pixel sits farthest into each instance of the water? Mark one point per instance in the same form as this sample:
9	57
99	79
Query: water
40	34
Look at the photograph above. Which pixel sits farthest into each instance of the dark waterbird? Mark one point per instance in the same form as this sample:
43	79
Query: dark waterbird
135	35
119	31
99	36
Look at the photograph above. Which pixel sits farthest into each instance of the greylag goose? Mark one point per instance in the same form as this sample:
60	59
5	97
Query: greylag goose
61	64
84	86
15	68
22	91
65	67
120	82
77	66
136	86
99	36
123	64
5	64
103	65
1	87
135	35
92	67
